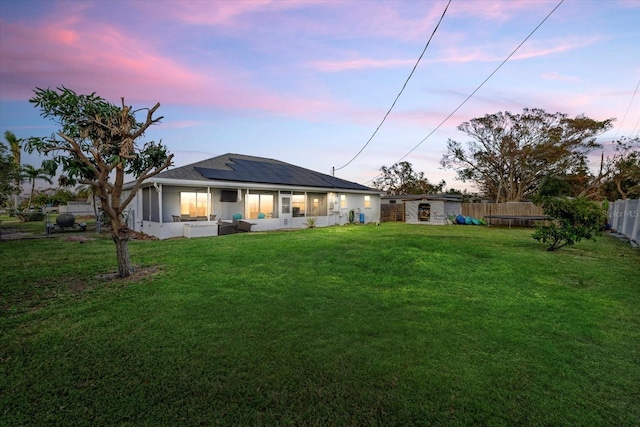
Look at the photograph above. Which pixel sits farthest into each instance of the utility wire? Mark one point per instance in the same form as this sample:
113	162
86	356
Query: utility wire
400	93
634	128
480	86
627	112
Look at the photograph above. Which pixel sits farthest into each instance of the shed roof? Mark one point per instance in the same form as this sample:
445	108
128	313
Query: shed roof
440	197
250	169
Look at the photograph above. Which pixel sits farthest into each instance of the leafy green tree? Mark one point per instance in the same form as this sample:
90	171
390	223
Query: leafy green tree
400	179
53	197
9	175
15	145
553	186
31	175
98	145
574	219
510	153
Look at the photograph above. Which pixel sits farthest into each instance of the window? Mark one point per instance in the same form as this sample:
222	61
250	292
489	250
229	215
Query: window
193	204
258	206
286	204
299	203
343	201
317	204
367	202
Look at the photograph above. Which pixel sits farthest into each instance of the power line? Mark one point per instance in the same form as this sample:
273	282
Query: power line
400	93
626	112
634	128
480	86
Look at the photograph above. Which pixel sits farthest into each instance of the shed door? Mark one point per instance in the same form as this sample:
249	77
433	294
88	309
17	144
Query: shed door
424	212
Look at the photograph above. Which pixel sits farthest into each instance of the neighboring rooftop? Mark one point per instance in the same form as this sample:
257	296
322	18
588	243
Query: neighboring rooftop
442	196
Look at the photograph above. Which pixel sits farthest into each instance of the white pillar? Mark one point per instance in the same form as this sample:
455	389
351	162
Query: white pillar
159	190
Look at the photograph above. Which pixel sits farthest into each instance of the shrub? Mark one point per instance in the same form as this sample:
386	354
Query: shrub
25	216
573	220
311	222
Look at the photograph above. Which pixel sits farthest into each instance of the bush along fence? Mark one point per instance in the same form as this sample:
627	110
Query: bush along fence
624	218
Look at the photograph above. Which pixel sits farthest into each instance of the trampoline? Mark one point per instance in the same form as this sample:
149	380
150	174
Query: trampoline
529	218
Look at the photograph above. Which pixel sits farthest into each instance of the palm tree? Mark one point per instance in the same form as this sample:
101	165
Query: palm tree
32	174
15	144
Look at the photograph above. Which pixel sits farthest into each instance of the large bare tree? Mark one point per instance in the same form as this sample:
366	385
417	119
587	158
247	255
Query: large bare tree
400	179
97	145
510	154
622	170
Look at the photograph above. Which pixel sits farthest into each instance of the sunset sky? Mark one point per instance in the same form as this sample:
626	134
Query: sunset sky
308	82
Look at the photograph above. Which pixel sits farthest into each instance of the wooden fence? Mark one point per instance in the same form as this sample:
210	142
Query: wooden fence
480	210
395	212
392	212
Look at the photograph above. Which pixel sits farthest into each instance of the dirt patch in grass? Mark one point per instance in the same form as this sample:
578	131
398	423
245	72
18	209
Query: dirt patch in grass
14	234
139	273
78	238
39	295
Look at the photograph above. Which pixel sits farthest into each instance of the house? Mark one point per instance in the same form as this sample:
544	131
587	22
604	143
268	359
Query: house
195	200
426	209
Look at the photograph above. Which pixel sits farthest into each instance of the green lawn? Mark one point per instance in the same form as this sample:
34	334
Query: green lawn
353	325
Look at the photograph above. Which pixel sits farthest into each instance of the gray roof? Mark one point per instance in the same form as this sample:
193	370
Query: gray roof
249	169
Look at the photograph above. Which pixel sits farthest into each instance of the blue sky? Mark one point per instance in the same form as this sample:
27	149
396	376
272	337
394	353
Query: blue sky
308	82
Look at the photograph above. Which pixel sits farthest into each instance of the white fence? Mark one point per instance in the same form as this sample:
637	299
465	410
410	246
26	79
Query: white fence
624	218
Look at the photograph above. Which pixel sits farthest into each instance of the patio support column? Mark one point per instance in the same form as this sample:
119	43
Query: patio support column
159	191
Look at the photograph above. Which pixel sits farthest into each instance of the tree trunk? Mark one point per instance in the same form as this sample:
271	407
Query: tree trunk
622	193
120	235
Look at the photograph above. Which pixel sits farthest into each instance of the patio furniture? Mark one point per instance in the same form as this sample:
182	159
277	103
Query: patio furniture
234	227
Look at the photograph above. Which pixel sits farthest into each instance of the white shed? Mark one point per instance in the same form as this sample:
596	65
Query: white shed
431	210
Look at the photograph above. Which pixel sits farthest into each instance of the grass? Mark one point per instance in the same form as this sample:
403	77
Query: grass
352	325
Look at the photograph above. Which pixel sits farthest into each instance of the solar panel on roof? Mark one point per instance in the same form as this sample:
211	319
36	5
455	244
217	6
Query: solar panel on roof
276	173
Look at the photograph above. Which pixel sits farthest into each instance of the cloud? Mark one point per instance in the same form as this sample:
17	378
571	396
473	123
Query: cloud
527	51
497	10
225	13
553	75
181	124
89	56
319	18
456	55
629	4
355	64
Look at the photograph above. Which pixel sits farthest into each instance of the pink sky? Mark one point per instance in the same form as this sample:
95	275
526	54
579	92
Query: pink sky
307	82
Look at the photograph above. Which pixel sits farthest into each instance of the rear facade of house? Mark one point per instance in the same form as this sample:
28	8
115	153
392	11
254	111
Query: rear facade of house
193	200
